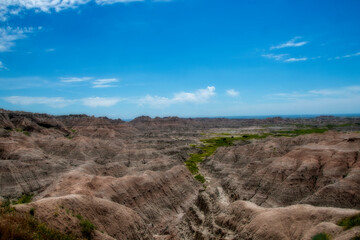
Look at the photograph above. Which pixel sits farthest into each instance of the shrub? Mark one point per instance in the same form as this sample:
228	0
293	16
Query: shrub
321	236
32	211
350	222
14	226
25	198
87	228
200	178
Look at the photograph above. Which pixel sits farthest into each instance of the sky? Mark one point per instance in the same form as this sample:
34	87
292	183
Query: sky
187	58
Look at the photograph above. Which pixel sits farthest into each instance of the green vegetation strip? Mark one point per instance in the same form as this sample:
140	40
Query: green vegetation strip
210	145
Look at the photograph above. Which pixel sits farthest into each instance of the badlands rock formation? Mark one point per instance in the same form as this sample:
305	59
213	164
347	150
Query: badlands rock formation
130	180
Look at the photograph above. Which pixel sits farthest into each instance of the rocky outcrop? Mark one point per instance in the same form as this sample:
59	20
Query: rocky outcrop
319	169
112	220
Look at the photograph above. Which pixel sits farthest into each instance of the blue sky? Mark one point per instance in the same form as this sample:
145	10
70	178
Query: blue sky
190	58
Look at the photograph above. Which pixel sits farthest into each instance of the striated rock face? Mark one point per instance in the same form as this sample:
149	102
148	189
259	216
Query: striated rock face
129	178
156	196
250	221
63	213
321	169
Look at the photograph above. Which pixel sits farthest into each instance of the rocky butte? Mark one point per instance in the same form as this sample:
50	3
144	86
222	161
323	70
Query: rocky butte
82	177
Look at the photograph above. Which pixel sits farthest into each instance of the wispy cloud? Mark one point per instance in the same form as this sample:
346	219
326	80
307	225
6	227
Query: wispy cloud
16	7
199	96
50	50
232	93
320	93
115	1
9	35
100	102
74	79
277	57
295	59
283	57
2	66
60	102
56	102
349	55
343	91
291	43
104	83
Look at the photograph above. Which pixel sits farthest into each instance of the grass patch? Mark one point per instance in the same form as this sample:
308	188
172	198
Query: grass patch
26	133
25	198
350	222
15	226
321	236
69	136
200	178
87	228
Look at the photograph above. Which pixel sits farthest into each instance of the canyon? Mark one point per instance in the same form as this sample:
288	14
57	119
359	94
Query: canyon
272	178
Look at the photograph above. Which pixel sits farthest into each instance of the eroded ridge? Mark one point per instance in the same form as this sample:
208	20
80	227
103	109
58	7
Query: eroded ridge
108	179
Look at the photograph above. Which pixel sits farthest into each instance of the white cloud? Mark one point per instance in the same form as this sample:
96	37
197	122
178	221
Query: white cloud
104	83
290	43
50	101
290	95
343	91
348	56
50	50
100	102
9	35
15	7
101	2
320	93
295	59
199	96
74	79
59	102
232	93
276	57
326	92
283	57
2	67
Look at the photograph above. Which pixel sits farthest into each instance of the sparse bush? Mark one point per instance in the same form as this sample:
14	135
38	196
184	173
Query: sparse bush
78	216
350	222
87	228
25	198
200	178
26	133
14	226
321	236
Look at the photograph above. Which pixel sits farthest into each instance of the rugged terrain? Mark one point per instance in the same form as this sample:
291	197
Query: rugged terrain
272	178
